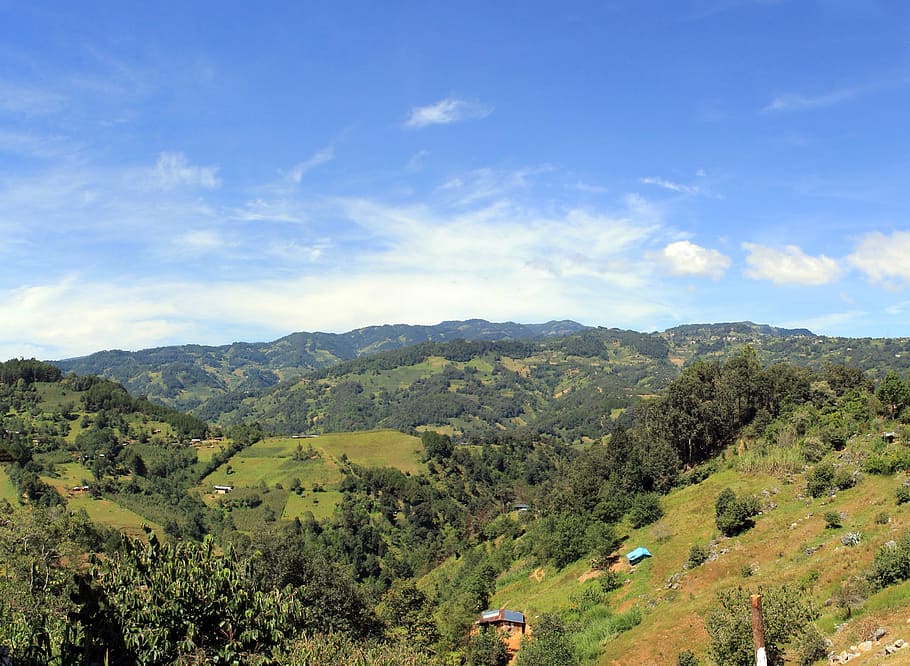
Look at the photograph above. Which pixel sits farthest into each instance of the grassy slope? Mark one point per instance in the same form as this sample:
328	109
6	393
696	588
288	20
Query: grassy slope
7	489
100	510
775	549
271	461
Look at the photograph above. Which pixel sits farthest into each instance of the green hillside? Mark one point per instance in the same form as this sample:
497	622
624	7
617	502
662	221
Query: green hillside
187	376
287	385
733	469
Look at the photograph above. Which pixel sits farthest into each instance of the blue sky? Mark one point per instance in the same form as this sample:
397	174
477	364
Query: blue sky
215	171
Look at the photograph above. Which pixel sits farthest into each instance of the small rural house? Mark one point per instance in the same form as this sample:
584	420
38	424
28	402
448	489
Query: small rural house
511	623
638	555
223	490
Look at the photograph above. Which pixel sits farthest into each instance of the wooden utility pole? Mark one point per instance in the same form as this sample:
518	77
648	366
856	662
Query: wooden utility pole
758	631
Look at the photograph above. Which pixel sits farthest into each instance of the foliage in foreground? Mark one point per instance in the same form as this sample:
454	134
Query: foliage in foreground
786	613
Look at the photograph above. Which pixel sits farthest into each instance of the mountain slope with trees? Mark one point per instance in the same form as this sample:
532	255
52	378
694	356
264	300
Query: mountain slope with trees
185	376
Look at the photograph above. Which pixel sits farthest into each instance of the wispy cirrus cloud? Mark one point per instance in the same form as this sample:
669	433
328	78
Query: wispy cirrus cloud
447	111
29	100
789	265
685	258
322	156
174	170
681	188
802	102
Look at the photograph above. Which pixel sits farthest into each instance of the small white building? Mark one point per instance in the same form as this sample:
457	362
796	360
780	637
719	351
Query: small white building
223	490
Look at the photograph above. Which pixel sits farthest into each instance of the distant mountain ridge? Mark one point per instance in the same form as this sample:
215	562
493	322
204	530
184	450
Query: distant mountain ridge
468	374
184	376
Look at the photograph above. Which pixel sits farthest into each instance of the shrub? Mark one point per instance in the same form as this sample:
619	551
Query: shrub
882	518
786	612
851	538
811	646
698	555
892	562
734	514
645	509
832	520
686	658
844	478
903	494
820	479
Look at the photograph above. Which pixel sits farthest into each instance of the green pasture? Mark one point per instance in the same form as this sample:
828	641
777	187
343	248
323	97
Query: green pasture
107	512
54	396
321	505
271	461
7	489
374	448
207	452
68	475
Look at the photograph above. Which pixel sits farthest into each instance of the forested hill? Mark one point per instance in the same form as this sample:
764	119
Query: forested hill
471	375
560	386
185	376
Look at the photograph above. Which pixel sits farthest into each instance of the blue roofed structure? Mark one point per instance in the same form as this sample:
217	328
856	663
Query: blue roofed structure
638	555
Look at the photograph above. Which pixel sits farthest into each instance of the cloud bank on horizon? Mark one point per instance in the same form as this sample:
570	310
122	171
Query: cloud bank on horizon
325	168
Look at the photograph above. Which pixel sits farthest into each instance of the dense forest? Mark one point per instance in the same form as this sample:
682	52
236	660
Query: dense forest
402	566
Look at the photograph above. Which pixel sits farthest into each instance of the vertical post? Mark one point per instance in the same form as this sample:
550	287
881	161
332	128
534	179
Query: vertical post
758	631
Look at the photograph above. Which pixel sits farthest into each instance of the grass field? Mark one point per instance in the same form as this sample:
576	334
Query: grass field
274	461
107	512
7	489
377	448
321	505
67	476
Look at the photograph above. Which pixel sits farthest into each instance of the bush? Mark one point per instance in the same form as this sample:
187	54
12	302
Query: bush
892	562
698	555
882	518
734	514
820	479
811	646
686	658
645	509
903	494
786	612
844	478
832	520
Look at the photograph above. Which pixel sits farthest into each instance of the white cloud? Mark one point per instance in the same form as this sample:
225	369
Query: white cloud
686	258
327	154
681	188
446	111
789	265
798	102
174	170
670	185
883	258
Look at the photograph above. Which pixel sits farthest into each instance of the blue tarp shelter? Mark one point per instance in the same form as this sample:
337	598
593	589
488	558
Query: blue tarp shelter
638	555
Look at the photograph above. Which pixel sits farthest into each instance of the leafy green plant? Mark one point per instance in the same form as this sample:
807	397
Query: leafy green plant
687	658
733	514
820	479
833	520
698	555
786	612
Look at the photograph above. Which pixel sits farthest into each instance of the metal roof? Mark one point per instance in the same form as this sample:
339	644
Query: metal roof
501	615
